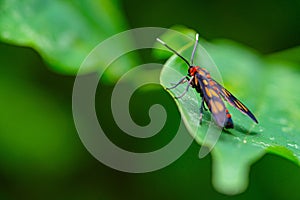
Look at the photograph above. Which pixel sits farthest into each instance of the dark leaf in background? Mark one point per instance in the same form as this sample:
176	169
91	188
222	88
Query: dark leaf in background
64	32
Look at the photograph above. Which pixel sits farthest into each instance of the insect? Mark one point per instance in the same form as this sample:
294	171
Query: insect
211	91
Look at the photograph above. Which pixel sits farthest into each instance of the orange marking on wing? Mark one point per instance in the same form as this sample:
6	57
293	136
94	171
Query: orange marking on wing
204	69
219	106
238	105
213	107
205	82
208	93
213	93
196	81
241	105
224	91
201	72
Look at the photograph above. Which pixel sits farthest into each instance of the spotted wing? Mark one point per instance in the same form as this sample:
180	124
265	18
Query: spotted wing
232	100
213	100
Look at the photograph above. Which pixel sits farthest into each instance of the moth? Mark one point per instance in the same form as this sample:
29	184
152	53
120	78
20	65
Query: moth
212	93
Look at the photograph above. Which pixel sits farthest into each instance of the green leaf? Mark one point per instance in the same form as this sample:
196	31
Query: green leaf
289	55
63	32
266	87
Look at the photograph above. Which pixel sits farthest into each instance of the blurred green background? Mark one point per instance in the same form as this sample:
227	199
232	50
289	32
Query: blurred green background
42	156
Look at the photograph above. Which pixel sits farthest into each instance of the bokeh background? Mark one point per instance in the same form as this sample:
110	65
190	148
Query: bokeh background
42	156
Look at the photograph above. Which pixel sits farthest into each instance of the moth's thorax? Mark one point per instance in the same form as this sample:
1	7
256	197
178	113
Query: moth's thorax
198	70
193	70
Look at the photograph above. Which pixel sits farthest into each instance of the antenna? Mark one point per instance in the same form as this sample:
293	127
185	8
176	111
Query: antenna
180	56
194	50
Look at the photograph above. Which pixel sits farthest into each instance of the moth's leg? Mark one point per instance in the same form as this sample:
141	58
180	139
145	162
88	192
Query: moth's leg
181	81
186	89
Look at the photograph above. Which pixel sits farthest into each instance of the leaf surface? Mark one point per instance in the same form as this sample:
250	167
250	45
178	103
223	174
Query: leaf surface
265	86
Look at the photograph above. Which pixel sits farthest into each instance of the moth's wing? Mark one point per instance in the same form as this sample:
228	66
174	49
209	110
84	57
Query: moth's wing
213	100
232	100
